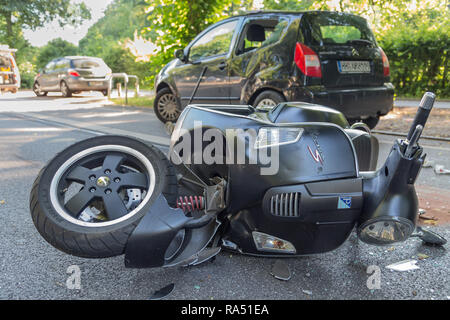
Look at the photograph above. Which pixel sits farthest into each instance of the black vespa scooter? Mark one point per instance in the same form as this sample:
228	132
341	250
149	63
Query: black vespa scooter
292	181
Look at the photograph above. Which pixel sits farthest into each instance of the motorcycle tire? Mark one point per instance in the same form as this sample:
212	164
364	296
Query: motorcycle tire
97	220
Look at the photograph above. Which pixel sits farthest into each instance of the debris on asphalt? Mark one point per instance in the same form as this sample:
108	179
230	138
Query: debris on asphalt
163	292
431	221
429	237
280	270
439	169
197	287
422	211
428	164
405	265
414	293
308	292
422	256
2	201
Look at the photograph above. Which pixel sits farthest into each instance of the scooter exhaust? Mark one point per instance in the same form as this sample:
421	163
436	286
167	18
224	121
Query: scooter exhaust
390	207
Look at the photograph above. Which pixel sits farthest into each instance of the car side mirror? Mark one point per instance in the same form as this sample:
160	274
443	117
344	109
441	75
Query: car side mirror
179	53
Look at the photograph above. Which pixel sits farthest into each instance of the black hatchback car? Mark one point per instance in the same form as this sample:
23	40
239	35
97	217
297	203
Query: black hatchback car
264	58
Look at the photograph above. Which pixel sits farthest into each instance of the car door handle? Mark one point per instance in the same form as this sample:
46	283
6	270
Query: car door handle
222	65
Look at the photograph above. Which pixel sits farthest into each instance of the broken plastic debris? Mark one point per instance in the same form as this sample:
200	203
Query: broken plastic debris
280	270
405	265
308	292
428	164
163	292
439	169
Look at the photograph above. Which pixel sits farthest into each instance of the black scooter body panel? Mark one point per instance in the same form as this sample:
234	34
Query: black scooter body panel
312	158
322	224
306	166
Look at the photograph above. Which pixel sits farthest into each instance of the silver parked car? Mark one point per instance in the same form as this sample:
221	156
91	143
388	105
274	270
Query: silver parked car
73	74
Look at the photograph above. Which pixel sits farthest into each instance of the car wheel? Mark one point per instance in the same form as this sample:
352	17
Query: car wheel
64	88
90	197
166	106
268	99
38	91
105	92
371	121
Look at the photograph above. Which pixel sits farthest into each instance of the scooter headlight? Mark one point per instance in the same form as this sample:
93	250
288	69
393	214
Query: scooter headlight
385	230
275	136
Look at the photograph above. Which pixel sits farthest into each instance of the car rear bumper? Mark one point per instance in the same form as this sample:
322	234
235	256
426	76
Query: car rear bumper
87	84
352	102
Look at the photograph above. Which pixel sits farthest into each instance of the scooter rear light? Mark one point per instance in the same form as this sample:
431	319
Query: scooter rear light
266	242
307	61
386	67
385	230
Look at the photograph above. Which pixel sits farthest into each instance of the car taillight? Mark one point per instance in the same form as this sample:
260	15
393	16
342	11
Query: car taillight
74	73
307	61
386	71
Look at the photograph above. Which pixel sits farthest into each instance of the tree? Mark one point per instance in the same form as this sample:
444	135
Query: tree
18	14
54	49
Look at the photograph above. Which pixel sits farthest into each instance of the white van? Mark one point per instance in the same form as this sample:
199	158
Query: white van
9	72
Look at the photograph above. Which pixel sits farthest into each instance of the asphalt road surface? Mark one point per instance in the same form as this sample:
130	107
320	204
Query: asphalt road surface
33	129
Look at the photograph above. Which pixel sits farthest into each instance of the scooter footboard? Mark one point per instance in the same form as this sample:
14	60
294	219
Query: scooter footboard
165	236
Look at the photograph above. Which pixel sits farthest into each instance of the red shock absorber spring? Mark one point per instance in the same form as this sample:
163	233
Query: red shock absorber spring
190	203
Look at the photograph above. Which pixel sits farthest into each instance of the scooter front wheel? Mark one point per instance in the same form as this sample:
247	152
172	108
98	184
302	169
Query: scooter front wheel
89	198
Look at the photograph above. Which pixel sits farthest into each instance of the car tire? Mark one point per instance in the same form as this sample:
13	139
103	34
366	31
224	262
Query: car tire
166	106
64	88
105	92
268	99
371	121
37	91
107	237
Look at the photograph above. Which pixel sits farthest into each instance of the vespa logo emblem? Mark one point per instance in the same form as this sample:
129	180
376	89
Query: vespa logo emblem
316	156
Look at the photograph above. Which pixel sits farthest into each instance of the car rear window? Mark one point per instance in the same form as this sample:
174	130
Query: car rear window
336	28
88	63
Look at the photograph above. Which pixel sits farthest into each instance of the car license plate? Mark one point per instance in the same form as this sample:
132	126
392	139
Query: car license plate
353	66
94	83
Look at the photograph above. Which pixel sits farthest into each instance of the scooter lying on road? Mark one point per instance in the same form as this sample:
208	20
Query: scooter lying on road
291	181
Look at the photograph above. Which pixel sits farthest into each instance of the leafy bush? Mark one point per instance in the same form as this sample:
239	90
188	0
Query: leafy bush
419	60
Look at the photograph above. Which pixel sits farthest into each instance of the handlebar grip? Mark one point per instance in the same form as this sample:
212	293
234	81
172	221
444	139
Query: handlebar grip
425	106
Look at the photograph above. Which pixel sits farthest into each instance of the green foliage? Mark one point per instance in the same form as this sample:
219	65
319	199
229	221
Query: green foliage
174	23
16	15
19	14
420	60
106	38
54	49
